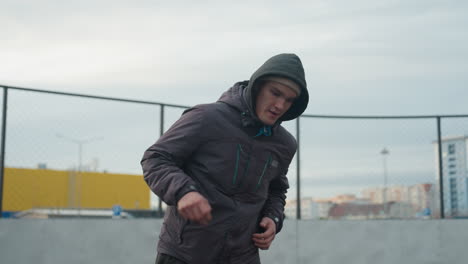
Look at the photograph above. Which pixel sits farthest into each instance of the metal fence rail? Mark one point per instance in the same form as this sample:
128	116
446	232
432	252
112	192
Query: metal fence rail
311	131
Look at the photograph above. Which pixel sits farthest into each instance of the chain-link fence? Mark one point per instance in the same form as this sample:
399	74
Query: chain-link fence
72	154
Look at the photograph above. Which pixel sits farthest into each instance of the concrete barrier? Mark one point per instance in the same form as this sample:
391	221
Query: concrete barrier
73	241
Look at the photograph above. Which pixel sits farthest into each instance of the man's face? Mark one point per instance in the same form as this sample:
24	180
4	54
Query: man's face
273	100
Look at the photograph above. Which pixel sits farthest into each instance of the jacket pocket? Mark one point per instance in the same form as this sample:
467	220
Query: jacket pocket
268	169
180	231
173	226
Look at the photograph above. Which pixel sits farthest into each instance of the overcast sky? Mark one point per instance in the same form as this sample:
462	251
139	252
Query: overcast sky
362	57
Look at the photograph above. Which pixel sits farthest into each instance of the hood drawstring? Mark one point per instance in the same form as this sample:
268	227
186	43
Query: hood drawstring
265	130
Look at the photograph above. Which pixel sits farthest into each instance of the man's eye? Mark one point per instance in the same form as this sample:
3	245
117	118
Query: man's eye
275	93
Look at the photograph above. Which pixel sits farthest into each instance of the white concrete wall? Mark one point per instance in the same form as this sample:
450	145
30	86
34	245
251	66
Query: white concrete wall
134	241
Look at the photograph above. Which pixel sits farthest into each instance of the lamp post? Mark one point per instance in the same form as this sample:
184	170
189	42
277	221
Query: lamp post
75	180
80	143
384	153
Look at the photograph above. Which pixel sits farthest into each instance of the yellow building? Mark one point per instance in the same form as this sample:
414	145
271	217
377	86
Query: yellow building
42	188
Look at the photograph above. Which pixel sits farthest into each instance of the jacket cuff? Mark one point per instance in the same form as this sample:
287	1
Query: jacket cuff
277	220
184	190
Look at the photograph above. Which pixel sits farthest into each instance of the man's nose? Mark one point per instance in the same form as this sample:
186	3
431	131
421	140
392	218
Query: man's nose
280	104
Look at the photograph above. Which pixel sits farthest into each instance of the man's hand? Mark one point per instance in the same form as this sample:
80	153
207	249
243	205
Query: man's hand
264	240
193	206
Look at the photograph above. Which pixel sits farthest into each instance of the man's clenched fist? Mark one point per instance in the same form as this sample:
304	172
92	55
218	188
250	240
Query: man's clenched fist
193	206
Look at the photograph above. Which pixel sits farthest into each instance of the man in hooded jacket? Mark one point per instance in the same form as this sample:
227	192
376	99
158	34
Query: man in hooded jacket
221	168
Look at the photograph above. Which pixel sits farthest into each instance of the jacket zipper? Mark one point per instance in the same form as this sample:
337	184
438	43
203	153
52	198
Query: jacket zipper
236	169
263	172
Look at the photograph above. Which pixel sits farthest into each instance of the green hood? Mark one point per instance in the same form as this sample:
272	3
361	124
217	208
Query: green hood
283	65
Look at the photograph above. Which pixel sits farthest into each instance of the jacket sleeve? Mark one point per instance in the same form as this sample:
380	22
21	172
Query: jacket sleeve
276	200
274	205
163	162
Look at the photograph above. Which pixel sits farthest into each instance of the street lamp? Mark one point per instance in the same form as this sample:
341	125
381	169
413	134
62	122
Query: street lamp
80	143
384	153
75	180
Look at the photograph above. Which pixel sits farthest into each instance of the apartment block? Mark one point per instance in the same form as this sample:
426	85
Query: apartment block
454	174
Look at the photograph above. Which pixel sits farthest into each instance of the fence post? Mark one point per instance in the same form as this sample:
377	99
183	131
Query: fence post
161	132
298	171
2	158
441	182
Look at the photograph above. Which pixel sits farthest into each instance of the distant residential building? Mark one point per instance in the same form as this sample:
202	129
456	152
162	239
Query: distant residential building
398	193
348	211
422	196
374	194
402	202
324	209
343	198
310	208
395	193
454	174
419	196
353	211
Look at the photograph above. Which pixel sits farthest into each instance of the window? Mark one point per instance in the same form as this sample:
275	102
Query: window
452	166
452	159
453	187
451	149
452	172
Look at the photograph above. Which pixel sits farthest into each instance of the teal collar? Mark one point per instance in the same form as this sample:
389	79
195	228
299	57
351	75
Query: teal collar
265	131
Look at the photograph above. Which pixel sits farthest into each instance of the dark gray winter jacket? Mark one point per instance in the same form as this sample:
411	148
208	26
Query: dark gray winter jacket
213	149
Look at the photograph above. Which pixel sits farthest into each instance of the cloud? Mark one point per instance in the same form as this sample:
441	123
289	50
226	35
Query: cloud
361	57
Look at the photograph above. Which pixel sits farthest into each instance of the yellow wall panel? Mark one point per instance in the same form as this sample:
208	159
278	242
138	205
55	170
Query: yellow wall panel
103	190
35	188
28	188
